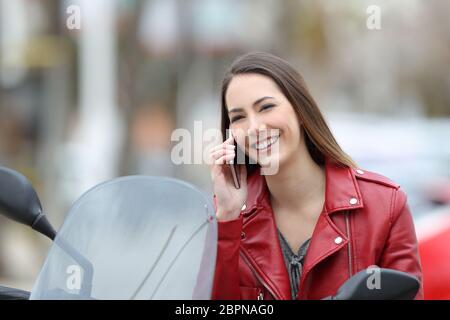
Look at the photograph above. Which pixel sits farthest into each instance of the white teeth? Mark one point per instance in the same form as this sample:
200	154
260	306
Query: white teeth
266	143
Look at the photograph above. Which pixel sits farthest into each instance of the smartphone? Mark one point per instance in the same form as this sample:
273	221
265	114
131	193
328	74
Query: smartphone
234	172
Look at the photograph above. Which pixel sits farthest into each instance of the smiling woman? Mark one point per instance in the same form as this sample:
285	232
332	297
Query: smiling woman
278	91
300	231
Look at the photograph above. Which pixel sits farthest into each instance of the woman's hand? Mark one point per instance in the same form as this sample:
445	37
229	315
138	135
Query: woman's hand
230	200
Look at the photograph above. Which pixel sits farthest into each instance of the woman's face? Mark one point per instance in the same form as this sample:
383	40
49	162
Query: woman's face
262	120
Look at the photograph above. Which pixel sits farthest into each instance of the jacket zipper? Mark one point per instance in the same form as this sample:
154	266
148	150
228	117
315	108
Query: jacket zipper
349	253
260	295
349	246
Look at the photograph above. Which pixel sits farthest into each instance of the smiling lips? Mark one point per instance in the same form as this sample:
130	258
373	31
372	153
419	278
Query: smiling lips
266	143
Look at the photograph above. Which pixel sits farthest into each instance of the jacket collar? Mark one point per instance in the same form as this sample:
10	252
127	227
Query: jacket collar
341	187
261	246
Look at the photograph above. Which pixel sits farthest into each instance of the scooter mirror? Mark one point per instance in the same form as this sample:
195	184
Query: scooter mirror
19	202
378	284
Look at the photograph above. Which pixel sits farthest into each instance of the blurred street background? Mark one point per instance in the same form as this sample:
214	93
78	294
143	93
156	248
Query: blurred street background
92	90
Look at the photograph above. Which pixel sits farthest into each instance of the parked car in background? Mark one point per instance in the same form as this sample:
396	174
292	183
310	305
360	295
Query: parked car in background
433	231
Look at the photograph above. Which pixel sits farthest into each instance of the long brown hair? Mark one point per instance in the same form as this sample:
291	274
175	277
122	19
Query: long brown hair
319	140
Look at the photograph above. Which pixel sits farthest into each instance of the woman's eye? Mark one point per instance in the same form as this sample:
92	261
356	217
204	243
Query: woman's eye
234	119
267	106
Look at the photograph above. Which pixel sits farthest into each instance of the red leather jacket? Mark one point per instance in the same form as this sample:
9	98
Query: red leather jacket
365	221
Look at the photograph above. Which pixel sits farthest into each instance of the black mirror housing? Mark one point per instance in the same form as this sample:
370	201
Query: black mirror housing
393	285
19	202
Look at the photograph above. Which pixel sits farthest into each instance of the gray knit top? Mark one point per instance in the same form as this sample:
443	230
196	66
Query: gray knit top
294	262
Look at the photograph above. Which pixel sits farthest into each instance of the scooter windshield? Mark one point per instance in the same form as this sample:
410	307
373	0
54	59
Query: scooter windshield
136	237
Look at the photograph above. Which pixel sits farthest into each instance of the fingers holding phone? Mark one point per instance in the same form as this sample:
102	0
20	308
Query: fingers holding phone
229	180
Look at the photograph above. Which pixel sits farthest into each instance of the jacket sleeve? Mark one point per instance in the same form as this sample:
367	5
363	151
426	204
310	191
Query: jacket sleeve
226	276
401	248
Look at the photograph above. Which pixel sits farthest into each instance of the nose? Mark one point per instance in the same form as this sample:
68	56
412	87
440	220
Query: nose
256	131
255	127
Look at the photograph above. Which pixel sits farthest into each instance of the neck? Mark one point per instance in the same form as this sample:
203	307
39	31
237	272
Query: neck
299	183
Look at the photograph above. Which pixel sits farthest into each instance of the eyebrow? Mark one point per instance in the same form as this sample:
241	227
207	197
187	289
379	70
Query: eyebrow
254	104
